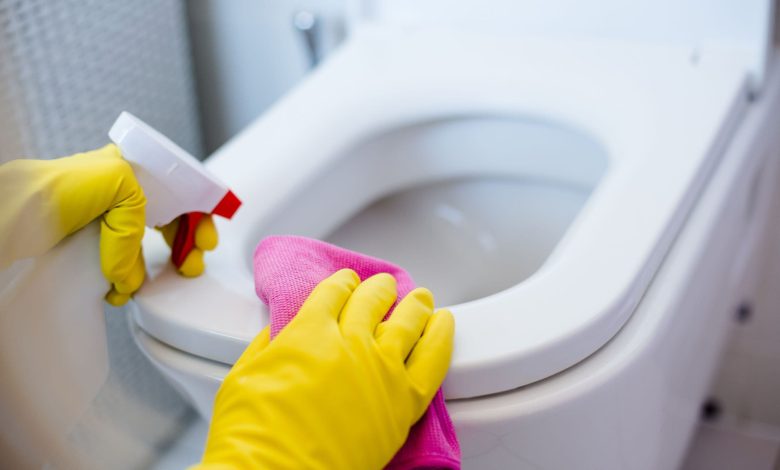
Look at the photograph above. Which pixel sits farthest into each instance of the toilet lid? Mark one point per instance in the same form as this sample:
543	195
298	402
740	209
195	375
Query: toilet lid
663	116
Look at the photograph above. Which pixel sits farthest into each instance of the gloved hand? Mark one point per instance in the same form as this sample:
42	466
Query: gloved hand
46	200
205	240
336	389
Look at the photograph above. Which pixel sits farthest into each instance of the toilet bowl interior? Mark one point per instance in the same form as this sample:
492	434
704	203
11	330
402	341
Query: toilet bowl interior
468	205
467	238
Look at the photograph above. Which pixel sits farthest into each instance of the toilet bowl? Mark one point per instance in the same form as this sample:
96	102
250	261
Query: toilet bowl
578	204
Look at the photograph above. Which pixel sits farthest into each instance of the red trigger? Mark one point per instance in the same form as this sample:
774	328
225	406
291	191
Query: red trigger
184	241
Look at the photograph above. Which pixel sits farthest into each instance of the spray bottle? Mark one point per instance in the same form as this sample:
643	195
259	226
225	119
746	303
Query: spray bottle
175	183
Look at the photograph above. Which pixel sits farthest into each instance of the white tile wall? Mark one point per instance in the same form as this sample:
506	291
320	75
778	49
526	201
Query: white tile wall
748	383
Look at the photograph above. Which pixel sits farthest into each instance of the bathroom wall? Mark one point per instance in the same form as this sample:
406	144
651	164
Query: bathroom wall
776	21
247	53
68	68
747	387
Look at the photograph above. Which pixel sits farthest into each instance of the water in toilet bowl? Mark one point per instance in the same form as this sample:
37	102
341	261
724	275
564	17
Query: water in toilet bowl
465	238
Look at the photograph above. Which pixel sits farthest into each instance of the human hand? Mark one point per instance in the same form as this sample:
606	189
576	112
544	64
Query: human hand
47	200
337	388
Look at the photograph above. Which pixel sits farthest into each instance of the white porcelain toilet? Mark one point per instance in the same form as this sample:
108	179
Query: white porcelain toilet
580	191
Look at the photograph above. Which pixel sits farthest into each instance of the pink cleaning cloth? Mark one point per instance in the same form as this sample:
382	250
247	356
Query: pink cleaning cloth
287	269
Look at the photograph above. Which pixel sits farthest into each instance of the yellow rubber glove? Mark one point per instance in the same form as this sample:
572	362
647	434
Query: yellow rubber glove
336	389
43	201
206	239
46	200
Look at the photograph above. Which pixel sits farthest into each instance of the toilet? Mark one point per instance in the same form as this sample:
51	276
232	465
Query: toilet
582	187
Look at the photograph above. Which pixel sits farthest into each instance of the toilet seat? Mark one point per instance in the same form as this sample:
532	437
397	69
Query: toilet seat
662	118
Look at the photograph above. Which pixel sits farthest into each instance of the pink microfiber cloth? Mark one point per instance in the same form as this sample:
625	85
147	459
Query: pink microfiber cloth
288	268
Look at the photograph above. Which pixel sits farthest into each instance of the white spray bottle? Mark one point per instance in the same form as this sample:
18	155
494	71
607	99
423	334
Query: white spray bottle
175	183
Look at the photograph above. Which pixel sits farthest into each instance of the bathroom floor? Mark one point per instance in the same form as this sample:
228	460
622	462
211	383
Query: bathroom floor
750	446
715	447
187	450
